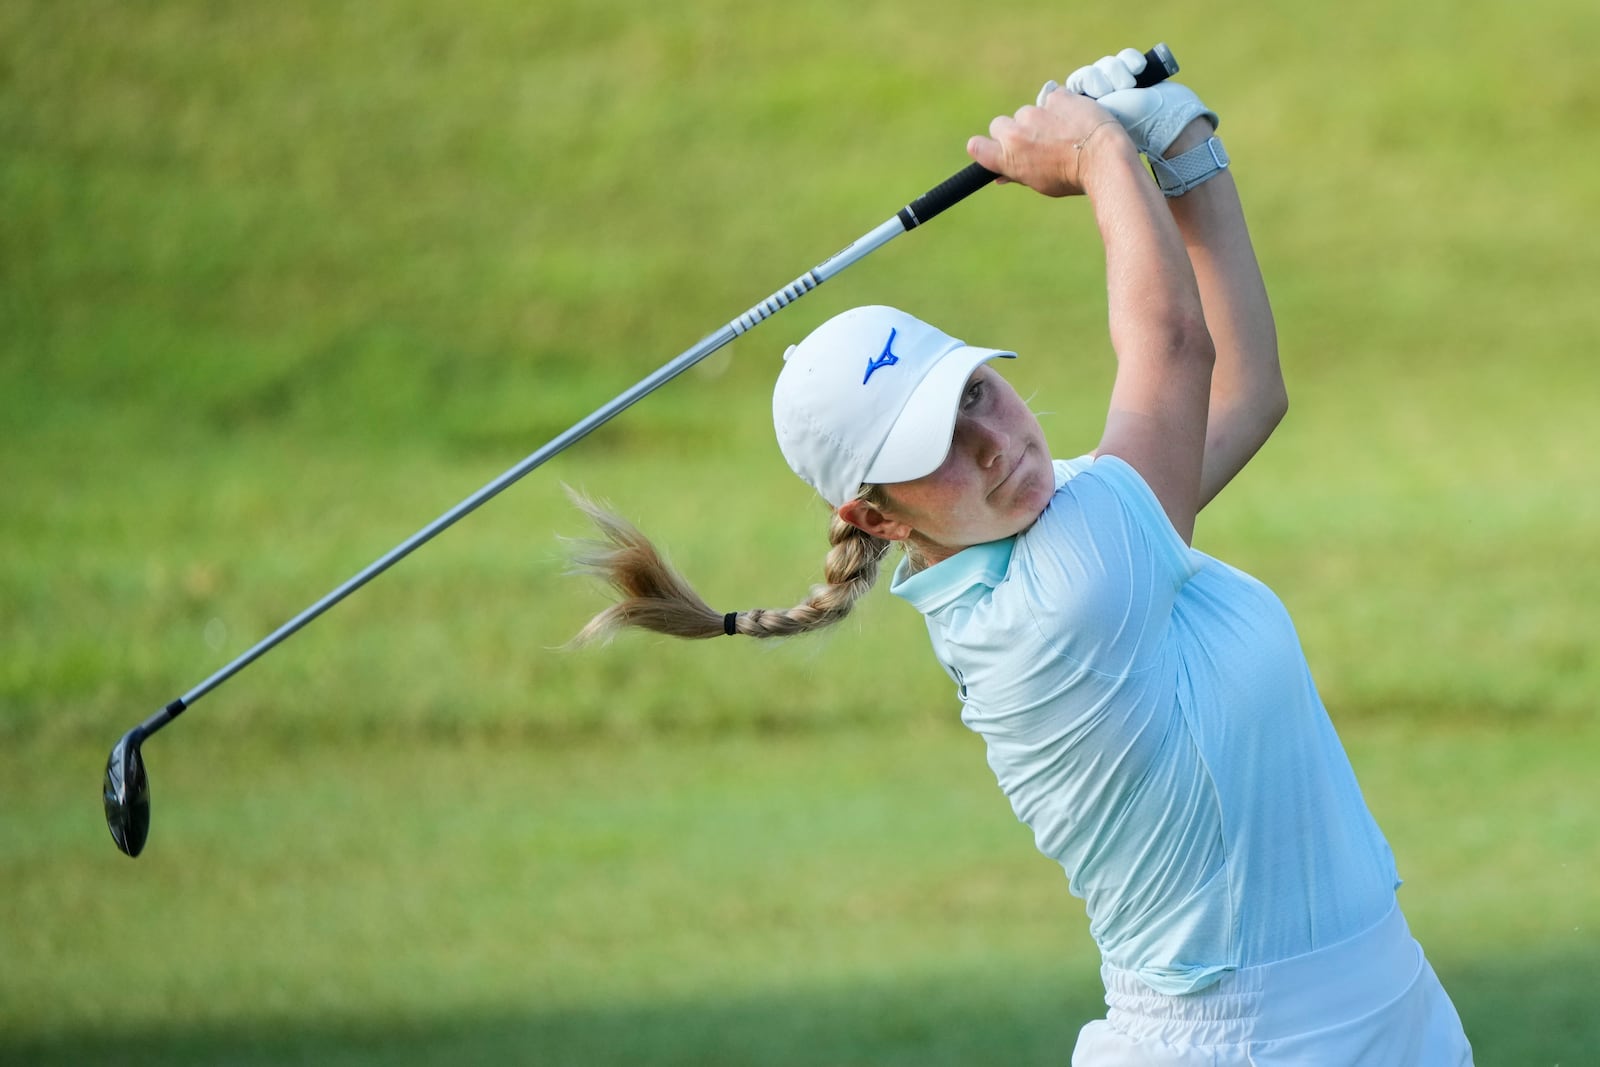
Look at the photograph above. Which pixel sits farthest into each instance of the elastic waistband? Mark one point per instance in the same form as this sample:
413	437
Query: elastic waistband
1346	980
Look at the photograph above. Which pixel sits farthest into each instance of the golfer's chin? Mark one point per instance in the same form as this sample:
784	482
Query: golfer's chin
1028	491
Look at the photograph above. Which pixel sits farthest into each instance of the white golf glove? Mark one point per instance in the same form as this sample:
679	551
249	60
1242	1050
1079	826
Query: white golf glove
1153	117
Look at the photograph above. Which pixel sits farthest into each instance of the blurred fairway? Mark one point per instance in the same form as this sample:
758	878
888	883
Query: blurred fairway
279	284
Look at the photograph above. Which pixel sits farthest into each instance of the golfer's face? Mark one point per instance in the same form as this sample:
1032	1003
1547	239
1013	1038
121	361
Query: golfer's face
995	481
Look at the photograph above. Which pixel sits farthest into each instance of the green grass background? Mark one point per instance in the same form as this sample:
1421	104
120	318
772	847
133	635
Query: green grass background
280	283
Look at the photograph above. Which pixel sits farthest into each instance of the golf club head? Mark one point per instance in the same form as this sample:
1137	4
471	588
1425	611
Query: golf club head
128	794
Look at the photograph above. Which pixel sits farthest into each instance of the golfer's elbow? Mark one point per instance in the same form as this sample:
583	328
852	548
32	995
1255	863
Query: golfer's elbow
1264	410
1274	403
1189	344
1175	340
1260	395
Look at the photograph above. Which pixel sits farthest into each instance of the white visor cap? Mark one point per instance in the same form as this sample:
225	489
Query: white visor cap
871	395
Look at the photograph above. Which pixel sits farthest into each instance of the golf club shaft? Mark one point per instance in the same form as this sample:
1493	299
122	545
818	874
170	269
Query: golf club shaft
858	249
1159	65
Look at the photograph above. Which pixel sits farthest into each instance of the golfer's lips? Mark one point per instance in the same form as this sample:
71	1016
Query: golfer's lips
1015	466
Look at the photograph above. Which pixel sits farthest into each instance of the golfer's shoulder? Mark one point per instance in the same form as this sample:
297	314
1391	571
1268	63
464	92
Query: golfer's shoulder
1103	540
1102	497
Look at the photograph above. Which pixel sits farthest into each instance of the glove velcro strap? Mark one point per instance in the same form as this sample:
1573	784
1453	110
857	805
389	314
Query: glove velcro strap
1197	166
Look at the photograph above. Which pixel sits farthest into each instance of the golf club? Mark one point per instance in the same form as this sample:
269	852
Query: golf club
127	786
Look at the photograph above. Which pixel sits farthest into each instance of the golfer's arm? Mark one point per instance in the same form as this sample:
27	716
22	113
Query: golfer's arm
1248	398
1159	399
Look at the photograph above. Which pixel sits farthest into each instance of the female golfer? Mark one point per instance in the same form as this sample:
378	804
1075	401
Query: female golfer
1147	709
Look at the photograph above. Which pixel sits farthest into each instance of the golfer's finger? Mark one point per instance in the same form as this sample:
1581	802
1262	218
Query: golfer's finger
987	153
1116	73
1133	59
1089	81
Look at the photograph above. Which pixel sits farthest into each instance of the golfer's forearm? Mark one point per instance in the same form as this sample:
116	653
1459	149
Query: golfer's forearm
1248	398
1153	304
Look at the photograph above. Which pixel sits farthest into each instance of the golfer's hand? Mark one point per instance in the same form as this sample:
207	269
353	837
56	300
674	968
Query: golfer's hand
1049	147
1153	117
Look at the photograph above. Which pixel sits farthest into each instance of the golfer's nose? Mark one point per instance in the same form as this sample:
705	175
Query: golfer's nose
984	442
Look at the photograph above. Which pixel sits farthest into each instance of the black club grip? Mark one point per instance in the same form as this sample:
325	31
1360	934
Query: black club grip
1159	65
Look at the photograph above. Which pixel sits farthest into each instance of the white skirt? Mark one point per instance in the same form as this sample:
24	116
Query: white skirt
1370	1001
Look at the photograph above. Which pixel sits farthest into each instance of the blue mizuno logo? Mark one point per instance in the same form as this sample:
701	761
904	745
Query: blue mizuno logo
886	359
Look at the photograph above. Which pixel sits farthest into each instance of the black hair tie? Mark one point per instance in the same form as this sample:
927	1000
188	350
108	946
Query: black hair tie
729	623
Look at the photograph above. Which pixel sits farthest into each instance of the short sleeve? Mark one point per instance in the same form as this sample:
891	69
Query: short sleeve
1103	567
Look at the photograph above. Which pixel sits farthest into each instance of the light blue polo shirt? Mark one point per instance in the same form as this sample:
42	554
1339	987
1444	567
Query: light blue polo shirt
1149	713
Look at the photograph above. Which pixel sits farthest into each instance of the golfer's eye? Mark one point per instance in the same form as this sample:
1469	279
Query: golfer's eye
973	395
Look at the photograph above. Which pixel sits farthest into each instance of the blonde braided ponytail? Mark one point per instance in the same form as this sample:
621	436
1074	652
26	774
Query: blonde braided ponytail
653	596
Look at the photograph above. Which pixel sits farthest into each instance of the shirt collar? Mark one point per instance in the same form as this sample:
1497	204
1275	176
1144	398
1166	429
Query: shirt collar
931	591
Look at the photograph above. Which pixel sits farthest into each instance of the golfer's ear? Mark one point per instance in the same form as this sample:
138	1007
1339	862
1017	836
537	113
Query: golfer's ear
863	516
